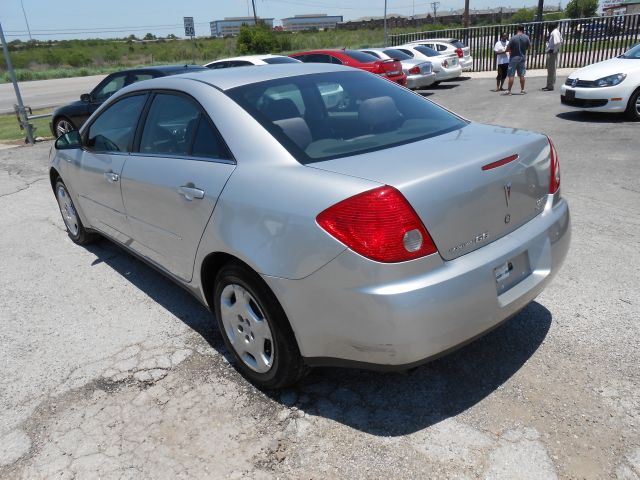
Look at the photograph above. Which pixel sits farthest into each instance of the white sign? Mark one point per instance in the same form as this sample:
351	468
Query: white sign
189	29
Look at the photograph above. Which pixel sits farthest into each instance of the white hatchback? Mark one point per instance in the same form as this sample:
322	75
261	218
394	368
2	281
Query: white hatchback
450	45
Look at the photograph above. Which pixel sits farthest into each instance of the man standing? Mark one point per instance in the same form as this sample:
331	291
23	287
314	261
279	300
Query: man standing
517	48
553	47
502	58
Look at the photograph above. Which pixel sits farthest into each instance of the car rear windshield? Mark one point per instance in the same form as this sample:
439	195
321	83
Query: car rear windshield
457	44
331	115
632	53
397	54
360	56
278	60
429	52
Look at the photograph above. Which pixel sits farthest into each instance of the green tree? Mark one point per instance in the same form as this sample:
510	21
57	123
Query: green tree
256	39
581	8
523	15
149	36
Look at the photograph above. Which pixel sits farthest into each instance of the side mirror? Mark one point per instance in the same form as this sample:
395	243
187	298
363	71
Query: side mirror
68	141
85	97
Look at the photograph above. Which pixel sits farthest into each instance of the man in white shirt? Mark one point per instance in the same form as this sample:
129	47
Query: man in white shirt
502	58
553	47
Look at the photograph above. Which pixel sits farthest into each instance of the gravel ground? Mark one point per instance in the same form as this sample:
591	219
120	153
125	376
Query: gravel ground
111	371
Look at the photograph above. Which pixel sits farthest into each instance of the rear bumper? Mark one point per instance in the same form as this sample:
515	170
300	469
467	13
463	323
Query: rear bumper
448	73
597	99
357	312
466	63
421	80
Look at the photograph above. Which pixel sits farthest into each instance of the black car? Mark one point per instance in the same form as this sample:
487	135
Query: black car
72	116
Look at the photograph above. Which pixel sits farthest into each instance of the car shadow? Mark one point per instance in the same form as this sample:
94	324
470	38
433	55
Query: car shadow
383	404
393	404
593	117
424	93
160	289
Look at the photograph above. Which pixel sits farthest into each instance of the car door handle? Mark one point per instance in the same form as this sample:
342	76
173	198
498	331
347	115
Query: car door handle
190	192
112	177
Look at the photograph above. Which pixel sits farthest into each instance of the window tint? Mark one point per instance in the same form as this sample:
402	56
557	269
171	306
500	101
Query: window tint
277	60
207	142
109	88
239	63
360	113
408	52
336	61
219	65
170	125
375	54
360	56
458	44
317	58
396	54
138	77
429	52
114	128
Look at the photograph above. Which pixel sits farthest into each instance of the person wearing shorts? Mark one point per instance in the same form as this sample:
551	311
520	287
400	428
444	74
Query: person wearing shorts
502	59
517	49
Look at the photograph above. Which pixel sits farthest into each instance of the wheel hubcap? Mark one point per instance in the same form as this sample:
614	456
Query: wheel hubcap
638	105
67	210
246	328
63	127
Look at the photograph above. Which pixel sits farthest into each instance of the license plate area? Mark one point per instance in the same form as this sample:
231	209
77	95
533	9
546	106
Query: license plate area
512	272
570	94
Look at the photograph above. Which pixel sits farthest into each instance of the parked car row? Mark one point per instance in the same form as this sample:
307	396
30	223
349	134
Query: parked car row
429	67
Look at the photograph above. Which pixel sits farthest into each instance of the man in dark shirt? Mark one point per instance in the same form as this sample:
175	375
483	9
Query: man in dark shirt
517	49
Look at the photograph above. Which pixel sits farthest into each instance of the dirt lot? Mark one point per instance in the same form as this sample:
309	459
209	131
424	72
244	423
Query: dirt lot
111	371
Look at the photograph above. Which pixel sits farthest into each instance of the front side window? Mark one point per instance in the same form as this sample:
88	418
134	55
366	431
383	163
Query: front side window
316	58
115	127
396	54
344	114
109	88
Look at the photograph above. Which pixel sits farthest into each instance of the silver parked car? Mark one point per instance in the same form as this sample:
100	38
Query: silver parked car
446	66
324	214
419	73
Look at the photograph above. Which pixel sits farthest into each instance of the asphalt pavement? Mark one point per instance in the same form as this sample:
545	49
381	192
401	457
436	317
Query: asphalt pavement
111	371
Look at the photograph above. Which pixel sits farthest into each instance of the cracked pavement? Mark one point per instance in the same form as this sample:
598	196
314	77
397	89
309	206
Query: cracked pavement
111	371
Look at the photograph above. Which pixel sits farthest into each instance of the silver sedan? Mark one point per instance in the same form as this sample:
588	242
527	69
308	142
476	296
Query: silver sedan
419	73
325	215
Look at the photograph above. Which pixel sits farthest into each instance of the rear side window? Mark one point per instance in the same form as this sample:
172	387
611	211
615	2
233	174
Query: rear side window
343	114
114	128
176	126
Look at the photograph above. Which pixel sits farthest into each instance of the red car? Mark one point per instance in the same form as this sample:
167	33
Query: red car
390	69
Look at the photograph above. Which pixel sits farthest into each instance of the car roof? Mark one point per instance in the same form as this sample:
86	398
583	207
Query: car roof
228	78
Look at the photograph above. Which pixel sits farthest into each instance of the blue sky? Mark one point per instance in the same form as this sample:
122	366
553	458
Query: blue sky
119	18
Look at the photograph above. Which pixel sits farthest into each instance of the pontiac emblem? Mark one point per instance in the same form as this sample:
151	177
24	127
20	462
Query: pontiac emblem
507	192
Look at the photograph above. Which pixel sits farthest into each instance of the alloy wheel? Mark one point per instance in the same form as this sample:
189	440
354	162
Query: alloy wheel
67	210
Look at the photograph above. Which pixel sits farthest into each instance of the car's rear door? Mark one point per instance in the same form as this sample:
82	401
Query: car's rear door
106	146
171	184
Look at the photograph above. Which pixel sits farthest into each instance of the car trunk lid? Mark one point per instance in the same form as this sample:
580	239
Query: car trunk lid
469	187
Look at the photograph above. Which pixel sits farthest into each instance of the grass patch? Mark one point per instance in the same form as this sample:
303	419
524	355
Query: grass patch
10	129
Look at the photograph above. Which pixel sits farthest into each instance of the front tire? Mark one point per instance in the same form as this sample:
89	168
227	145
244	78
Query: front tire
255	329
633	107
63	125
75	229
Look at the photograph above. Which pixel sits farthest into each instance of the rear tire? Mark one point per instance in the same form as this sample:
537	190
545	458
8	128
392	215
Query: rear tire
633	107
75	229
255	329
435	84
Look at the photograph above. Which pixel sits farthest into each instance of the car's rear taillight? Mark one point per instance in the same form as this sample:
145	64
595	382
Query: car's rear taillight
554	180
378	68
445	64
459	52
378	224
414	70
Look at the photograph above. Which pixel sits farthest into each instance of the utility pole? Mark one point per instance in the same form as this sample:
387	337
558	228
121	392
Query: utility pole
386	37
22	112
466	13
540	9
435	6
25	20
255	17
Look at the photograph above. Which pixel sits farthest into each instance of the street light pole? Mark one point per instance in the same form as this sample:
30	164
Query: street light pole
24	119
386	37
25	19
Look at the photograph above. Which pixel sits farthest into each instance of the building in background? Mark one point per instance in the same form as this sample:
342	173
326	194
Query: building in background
620	7
231	26
318	21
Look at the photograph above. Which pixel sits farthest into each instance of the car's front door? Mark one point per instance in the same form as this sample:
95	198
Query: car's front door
171	184
106	146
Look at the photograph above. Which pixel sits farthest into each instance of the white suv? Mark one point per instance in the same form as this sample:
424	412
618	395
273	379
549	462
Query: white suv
450	45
